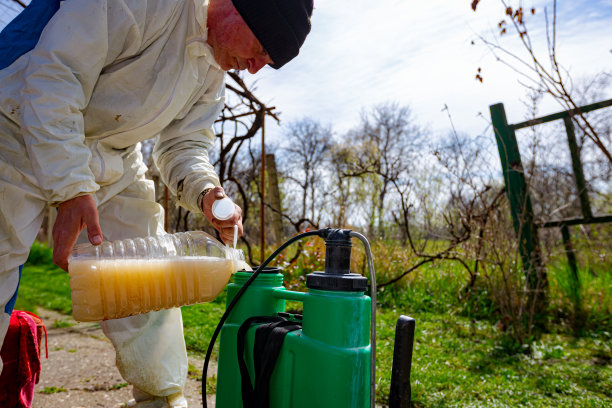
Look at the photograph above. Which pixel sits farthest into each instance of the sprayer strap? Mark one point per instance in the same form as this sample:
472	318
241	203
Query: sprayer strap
269	337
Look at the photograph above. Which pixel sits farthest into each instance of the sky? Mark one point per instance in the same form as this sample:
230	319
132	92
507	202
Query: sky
419	53
361	53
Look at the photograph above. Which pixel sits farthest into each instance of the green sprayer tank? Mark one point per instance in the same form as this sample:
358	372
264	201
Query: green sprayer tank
324	363
315	362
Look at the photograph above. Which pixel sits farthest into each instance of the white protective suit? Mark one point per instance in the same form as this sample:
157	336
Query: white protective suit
105	76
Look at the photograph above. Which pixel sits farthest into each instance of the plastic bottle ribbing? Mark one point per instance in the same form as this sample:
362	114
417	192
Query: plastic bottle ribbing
132	276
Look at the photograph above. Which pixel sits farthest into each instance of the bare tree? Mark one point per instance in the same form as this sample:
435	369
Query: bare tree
305	157
450	202
469	226
341	186
387	143
540	73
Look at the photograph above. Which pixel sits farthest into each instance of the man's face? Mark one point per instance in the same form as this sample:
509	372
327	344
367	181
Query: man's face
234	44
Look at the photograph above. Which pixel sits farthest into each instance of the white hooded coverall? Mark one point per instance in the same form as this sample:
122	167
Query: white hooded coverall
104	76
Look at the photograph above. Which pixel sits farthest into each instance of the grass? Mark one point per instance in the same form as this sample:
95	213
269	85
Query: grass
52	390
58	324
45	286
584	304
200	321
458	362
460	356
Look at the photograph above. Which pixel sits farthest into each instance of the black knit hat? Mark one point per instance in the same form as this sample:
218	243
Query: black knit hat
281	26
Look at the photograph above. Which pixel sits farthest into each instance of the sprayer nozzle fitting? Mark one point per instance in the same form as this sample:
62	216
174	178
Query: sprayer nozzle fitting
335	236
324	232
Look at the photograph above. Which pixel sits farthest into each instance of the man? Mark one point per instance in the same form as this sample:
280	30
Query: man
104	76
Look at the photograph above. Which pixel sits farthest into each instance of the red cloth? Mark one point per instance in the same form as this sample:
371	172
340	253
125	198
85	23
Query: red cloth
21	359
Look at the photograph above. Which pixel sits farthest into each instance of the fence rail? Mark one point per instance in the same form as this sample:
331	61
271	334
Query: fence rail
518	193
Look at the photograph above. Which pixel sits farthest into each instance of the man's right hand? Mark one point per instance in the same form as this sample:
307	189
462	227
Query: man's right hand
72	216
225	227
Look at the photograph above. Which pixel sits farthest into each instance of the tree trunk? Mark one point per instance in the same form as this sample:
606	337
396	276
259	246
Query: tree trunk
274	199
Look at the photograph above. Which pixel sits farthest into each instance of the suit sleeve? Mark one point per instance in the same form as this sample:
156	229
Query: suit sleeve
62	70
181	150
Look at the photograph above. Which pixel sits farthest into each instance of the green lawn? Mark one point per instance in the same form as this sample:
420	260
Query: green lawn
457	361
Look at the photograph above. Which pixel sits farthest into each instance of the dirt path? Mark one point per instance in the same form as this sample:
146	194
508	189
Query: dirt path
80	371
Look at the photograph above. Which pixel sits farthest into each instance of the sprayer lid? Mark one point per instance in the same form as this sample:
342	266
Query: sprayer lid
223	209
345	282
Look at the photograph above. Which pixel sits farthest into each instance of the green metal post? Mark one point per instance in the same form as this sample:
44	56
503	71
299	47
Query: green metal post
576	286
522	214
577	166
569	251
520	202
583	194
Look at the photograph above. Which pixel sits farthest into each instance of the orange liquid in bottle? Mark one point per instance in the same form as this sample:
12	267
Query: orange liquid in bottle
112	288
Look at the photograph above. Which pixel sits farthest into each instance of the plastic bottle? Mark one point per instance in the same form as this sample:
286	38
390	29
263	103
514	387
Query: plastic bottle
132	276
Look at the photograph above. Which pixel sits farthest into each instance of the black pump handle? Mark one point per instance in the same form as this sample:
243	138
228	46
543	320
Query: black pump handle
399	396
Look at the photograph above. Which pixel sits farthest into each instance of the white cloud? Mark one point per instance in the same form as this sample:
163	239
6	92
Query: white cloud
361	53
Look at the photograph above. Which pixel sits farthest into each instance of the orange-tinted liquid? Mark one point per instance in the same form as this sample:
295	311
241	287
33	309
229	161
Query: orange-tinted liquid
109	289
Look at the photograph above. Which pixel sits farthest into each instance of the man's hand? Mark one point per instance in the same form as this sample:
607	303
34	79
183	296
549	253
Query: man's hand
225	227
72	216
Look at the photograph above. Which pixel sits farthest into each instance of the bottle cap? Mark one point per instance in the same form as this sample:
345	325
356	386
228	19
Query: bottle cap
223	209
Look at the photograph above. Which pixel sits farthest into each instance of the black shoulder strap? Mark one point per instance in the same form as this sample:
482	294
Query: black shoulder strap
269	337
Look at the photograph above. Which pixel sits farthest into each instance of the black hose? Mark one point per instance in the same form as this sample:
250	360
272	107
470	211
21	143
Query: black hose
211	344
